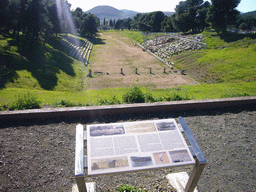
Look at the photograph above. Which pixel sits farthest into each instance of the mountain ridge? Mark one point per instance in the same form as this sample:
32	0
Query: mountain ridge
251	13
109	12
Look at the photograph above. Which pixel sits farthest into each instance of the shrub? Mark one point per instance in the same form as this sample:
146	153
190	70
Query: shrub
149	97
173	97
112	101
65	103
127	188
234	94
134	95
26	101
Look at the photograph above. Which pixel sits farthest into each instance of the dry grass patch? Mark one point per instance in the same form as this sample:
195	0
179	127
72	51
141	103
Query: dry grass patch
118	52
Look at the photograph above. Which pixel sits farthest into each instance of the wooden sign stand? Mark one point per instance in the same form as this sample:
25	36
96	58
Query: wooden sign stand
81	161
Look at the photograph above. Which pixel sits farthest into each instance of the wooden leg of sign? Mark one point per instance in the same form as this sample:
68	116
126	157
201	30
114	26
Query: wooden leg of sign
80	183
194	176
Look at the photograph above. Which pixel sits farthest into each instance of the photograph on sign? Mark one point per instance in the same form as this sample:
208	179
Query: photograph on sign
140	161
161	158
165	126
106	130
109	163
140	128
180	156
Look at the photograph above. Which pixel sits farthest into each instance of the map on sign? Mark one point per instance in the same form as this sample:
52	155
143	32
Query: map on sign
131	146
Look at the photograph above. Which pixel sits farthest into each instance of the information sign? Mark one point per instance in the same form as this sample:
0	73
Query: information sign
132	146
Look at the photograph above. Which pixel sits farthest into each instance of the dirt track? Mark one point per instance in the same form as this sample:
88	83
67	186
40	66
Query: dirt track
118	52
38	155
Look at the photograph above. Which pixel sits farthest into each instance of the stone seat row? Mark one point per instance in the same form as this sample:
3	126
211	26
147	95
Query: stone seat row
80	50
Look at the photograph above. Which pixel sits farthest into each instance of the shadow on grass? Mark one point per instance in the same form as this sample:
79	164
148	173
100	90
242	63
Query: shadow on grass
98	41
95	39
43	62
229	37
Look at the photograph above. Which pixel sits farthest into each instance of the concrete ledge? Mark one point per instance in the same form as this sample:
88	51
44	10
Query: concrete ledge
126	108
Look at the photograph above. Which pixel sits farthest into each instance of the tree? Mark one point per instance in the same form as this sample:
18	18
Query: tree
167	25
190	15
37	19
78	12
119	24
182	22
243	26
111	23
53	16
194	3
181	8
89	25
149	21
4	14
156	20
222	13
201	19
128	23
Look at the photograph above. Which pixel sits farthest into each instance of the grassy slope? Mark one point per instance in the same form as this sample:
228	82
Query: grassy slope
227	59
42	68
53	76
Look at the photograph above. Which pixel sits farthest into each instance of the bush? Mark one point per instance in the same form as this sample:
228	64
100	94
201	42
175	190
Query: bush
26	101
149	98
234	94
173	97
134	95
65	103
127	188
243	26
112	101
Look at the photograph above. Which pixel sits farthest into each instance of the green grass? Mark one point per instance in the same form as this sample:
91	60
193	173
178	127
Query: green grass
115	95
45	67
127	188
136	36
25	101
228	58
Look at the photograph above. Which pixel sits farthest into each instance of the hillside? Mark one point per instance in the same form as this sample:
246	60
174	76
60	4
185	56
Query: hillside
252	13
128	13
169	13
109	12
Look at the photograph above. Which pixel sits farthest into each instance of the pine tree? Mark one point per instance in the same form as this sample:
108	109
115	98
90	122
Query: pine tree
222	13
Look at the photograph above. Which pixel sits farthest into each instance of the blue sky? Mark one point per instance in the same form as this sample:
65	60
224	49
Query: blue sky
247	6
148	6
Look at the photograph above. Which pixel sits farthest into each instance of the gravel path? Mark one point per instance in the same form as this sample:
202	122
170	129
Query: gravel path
38	155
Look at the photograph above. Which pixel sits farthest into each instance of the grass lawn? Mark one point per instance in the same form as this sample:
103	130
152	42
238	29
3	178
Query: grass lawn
227	59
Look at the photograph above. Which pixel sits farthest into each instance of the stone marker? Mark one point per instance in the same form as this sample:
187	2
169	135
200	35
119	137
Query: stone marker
90	73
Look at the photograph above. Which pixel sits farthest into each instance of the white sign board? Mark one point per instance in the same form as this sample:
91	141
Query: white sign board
132	146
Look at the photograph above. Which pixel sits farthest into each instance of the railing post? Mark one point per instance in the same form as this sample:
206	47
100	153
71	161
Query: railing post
200	159
79	158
